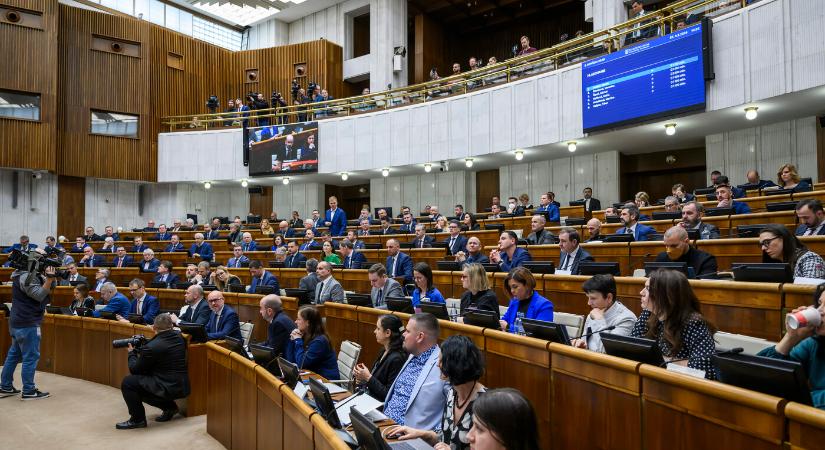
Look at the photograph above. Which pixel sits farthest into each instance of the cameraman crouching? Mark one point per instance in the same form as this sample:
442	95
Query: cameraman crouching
30	295
158	375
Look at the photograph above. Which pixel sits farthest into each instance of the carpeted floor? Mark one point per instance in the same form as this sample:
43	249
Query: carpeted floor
80	414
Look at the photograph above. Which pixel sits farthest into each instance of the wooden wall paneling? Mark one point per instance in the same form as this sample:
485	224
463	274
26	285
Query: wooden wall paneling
218	408
69	347
261	204
71	206
96	349
28	66
244	402
270	410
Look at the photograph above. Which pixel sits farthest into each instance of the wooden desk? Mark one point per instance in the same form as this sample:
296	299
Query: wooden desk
269	410
728	251
297	419
96	345
806	426
219	401
244	402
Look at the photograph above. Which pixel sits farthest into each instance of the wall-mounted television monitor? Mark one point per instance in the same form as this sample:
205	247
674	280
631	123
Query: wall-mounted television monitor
281	149
653	79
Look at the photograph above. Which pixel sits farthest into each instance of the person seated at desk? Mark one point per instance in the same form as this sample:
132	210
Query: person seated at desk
422	240
462	366
310	243
514	208
517	429
115	301
74	275
538	235
423	279
139	246
108	245
142	303
80	244
469	223
678	249
594	229
101	278
261	277
725	196
478	294
364	228
418	395
350	258
473	254
811	218
278	242
606	312
163	234
165	275
89	258
266	228
779	245
235	236
788	178
409	224
672	204
328	288
310	347
455	241
285	230
386	228
209	233
279	327
495	213
507	255
382	286
441	225
294	259
174	245
630	222
222	279
248	244
399	264
201	249
754	178
196	310
672	317
678	190
571	252
547	206
238	259
81	298
352	236
223	321
692	214
390	360
122	259
329	254
310	281
804	345
192	276
525	302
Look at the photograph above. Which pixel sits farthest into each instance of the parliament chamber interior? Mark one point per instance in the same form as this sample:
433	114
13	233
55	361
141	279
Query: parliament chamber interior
375	224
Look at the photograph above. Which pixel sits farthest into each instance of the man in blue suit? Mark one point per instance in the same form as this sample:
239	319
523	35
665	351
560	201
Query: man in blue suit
209	234
122	259
90	259
174	245
261	277
139	246
285	230
115	301
811	218
80	244
509	256
630	220
417	396
408	227
547	207
149	263
571	253
247	244
456	242
223	321
201	249
242	109
165	275
350	258
352	236
421	239
163	234
238	259
725	196
142	303
294	259
398	264
335	218
310	243
280	324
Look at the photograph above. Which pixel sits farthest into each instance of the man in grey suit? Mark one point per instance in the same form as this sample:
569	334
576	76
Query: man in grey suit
539	236
328	289
73	276
310	282
571	253
382	286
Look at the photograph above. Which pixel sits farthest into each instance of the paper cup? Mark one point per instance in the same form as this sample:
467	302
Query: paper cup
808	317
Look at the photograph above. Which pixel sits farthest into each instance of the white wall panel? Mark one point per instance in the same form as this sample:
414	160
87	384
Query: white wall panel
524	107
549	112
807	41
501	119
571	103
346	145
766	55
439	131
400	138
480	131
728	88
460	144
419	135
36	212
365	154
443	189
381	139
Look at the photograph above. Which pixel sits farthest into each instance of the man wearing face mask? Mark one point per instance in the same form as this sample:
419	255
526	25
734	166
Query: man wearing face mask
678	249
514	208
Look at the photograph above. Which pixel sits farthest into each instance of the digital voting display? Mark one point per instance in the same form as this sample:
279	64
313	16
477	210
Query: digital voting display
653	79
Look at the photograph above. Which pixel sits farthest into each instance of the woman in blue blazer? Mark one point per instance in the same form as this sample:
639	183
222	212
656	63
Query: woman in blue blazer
520	285
423	278
310	347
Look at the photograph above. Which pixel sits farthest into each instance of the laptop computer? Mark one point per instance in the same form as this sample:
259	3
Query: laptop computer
369	436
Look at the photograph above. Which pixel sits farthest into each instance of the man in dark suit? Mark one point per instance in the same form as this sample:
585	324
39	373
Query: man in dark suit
641	31
473	254
310	243
110	232
364	228
90	259
261	277
142	303
692	213
73	275
352	236
678	249
408	227
80	244
630	220
421	239
317	221
165	275
285	230
101	278
122	259
594	229
811	218
158	375
335	218
294	259
163	234
238	259
385	226
174	245
296	221
571	253
91	236
382	286
139	246
197	309
540	236
201	249
590	204
280	324
23	245
223	321
455	242
398	264
349	257
149	263
209	234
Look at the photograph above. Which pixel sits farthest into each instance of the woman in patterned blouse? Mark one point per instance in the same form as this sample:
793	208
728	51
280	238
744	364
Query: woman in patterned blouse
779	245
671	316
462	365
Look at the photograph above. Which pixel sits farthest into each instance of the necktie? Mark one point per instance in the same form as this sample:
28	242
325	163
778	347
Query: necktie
119	262
349	263
320	290
74	278
163	278
380	300
139	306
217	321
452	241
91	262
810	231
394	258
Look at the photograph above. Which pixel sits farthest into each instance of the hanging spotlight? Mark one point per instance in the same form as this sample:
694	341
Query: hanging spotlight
385	172
571	146
244	183
670	129
344	176
468	162
750	112
519	155
428	167
207	185
285	180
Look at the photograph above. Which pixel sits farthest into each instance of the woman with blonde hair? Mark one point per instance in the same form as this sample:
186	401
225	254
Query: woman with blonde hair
266	228
221	278
642	199
788	178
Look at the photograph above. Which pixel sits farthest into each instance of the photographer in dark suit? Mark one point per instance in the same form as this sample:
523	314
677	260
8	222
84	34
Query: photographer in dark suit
158	375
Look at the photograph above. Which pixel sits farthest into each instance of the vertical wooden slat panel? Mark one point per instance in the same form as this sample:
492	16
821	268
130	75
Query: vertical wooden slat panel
71	206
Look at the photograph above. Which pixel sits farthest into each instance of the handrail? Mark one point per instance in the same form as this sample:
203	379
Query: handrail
574	50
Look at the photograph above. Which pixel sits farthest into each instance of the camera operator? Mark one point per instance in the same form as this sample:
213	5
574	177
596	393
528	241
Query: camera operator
278	102
301	99
30	295
260	103
158	374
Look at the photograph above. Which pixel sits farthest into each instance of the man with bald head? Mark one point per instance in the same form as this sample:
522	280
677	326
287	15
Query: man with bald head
280	325
594	229
196	309
284	229
398	264
678	249
223	321
754	178
201	249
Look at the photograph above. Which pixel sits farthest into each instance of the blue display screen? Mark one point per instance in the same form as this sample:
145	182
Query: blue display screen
651	79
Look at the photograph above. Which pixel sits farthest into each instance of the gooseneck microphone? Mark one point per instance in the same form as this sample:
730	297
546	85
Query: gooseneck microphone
591	333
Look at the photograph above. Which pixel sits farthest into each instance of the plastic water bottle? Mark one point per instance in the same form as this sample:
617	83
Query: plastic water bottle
518	326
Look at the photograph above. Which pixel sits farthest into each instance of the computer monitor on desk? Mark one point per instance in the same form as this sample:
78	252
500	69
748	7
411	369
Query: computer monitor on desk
540	267
196	330
595	268
301	294
786	379
439	310
291	373
677	266
452	266
482	318
637	349
548	331
746	231
663	215
619	237
324	402
714	212
400	304
369	436
359	299
264	356
235	345
763	272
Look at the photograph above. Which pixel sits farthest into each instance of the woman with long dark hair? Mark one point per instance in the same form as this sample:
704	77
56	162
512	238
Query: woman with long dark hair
503	419
423	279
389	333
671	316
779	245
310	347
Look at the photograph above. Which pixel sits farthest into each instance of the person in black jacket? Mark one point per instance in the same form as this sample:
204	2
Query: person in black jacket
388	333
478	294
159	375
280	325
678	249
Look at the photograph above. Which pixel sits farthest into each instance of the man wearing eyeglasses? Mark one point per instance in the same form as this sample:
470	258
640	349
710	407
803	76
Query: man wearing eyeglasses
223	321
678	249
142	303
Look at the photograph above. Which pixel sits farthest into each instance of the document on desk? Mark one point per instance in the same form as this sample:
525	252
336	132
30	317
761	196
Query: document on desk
300	390
364	404
334	388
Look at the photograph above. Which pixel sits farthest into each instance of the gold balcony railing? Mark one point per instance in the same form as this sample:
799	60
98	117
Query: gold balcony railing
575	50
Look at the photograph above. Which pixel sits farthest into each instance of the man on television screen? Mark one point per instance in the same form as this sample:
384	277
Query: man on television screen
289	153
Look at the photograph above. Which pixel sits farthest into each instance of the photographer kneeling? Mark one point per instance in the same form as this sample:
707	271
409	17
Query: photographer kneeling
158	374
